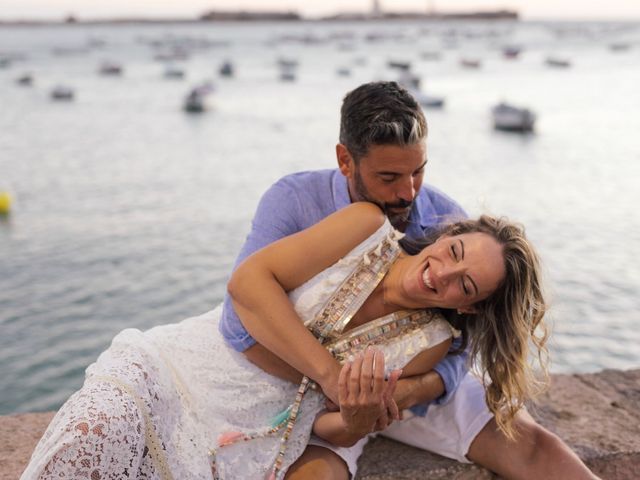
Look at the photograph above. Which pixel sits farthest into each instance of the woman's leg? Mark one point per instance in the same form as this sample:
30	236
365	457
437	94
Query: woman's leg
318	463
98	434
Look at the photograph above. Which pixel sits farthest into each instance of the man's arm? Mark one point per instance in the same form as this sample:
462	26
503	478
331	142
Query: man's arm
274	219
436	386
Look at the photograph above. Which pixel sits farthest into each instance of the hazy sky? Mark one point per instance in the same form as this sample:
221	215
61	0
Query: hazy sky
530	9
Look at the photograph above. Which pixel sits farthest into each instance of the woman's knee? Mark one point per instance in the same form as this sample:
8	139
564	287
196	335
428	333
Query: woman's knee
318	463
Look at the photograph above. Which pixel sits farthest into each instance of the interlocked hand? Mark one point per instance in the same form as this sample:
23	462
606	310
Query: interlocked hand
366	399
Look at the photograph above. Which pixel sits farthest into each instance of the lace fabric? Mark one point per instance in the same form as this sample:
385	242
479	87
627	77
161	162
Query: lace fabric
155	402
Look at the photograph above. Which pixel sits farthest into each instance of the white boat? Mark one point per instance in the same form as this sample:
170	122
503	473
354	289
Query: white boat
62	93
513	119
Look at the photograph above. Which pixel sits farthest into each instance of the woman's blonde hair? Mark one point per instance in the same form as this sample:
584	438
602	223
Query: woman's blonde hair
508	323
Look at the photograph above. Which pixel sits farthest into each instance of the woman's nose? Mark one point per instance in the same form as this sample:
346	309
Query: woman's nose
448	273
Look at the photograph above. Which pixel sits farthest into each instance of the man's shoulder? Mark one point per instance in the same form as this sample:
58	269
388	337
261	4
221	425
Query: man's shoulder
307	178
439	201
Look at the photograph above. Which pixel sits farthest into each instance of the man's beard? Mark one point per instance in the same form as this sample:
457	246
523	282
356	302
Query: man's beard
397	219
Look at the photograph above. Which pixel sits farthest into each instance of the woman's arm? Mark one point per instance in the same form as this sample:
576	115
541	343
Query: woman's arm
260	284
364	398
364	401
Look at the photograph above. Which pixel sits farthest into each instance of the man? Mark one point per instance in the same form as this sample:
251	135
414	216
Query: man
381	159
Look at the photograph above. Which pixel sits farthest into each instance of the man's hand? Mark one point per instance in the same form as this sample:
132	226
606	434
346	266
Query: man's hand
366	400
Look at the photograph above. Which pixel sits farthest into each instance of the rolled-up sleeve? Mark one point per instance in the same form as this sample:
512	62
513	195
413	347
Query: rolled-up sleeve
274	219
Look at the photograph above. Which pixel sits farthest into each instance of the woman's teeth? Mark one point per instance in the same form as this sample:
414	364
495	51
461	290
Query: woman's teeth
426	279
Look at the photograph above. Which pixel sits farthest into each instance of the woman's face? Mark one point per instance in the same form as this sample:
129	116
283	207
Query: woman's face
454	272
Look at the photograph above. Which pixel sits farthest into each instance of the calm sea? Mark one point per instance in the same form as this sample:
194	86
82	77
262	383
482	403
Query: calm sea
129	212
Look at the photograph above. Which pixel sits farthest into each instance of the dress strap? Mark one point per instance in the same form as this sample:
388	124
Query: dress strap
343	304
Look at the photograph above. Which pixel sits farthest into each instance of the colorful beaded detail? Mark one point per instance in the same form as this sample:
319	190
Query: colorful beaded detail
394	325
333	318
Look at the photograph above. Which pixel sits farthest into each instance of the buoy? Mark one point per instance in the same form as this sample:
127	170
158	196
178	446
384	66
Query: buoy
5	203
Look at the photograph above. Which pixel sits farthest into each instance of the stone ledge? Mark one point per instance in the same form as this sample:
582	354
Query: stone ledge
598	415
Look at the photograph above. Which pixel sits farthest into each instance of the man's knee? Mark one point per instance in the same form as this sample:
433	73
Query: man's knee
318	463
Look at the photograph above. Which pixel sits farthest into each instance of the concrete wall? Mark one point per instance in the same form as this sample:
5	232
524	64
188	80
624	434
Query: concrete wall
598	415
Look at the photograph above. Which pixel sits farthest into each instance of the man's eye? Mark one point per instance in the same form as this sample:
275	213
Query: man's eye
388	179
454	255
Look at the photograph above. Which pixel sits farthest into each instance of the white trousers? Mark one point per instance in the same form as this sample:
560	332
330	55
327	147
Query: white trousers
447	430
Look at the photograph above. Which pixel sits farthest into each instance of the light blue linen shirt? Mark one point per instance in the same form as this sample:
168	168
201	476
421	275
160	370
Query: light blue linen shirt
302	199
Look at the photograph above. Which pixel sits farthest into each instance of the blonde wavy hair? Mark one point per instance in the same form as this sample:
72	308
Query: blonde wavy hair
507	329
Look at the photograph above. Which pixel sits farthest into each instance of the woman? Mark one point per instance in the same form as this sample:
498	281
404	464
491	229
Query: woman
176	402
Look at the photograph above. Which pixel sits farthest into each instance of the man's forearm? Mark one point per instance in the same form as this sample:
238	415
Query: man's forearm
418	389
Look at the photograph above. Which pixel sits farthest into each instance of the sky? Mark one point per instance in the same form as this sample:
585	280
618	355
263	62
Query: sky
96	9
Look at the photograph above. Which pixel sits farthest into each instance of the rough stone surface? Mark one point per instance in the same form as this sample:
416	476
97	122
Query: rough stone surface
598	415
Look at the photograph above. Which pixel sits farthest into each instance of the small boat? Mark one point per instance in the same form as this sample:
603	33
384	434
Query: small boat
287	62
513	119
287	75
619	47
196	100
25	80
173	73
470	63
409	80
427	101
398	65
343	72
110	69
430	56
5	62
226	69
62	93
511	52
557	62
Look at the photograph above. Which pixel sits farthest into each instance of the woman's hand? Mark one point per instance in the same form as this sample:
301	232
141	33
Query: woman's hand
365	399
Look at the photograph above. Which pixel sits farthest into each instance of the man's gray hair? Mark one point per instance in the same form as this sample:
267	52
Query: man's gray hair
380	113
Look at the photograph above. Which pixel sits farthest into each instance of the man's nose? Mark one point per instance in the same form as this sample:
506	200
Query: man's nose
406	190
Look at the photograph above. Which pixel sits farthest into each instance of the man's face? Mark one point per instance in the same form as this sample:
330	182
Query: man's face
389	176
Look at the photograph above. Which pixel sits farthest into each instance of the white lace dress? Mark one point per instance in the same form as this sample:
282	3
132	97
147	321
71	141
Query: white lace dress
155	403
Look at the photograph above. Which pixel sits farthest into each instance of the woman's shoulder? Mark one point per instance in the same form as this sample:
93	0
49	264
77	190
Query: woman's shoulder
366	216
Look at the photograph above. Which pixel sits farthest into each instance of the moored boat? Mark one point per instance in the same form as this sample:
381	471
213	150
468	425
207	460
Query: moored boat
513	119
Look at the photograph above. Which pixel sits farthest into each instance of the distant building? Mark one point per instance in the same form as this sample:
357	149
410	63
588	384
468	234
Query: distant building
248	16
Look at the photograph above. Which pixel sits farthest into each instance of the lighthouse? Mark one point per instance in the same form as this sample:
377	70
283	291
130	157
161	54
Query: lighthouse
376	12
